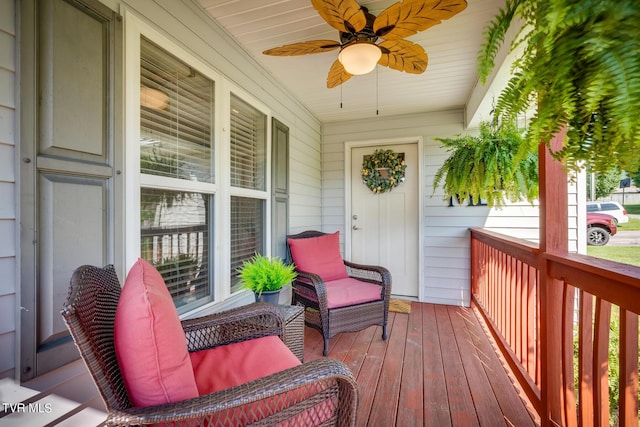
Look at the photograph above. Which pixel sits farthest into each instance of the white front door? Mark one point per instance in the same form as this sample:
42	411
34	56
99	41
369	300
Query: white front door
385	227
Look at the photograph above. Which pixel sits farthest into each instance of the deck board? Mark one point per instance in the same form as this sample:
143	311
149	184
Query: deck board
36	408
369	376
461	405
437	368
412	384
436	405
388	390
514	412
487	408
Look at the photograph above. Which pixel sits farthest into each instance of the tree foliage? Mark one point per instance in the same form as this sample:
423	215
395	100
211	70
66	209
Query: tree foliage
605	182
484	166
635	178
581	65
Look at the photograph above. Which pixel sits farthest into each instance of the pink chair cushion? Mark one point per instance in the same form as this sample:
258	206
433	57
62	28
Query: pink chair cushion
234	364
319	255
349	291
150	343
229	365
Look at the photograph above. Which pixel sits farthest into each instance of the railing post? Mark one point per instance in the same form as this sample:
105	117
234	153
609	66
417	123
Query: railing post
553	239
474	270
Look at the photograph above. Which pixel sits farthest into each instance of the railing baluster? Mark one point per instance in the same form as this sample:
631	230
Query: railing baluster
585	358
518	306
571	416
628	380
512	302
538	341
601	361
506	289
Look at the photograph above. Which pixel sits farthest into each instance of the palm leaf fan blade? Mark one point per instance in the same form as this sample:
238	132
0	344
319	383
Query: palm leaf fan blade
403	55
343	15
303	48
404	19
337	75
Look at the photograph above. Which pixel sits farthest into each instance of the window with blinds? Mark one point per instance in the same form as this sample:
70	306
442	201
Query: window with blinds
247	232
248	143
248	146
176	141
179	187
176	117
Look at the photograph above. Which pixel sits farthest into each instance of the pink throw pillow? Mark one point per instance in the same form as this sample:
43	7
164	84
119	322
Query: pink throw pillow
319	255
149	340
230	365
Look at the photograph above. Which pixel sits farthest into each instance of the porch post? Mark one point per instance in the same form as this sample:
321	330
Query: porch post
553	182
553	239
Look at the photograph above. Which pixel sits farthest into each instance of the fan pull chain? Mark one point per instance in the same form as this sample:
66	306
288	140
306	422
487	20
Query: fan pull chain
341	97
376	91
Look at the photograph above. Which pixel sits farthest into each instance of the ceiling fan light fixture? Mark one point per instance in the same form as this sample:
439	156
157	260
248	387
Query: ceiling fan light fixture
360	57
153	98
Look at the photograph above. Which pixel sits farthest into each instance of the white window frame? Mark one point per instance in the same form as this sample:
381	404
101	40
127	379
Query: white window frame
245	192
219	233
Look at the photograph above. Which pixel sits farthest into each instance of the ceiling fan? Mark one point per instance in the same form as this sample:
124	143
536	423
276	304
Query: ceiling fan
359	32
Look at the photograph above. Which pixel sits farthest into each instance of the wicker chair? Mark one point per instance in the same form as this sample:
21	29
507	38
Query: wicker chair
320	390
310	291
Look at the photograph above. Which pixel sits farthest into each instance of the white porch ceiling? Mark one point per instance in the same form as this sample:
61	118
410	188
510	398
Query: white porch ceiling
448	82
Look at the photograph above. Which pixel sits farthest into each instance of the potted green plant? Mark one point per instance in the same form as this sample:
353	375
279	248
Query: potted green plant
266	277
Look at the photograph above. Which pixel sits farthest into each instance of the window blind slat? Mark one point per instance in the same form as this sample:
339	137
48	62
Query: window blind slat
176	117
248	146
247	231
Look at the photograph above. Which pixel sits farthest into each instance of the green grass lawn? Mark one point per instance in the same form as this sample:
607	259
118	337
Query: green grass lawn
633	224
632	209
625	254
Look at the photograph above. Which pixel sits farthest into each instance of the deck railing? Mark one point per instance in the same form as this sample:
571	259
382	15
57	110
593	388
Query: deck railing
567	324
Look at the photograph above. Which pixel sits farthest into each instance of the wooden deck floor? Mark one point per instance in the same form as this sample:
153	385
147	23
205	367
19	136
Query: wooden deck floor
437	368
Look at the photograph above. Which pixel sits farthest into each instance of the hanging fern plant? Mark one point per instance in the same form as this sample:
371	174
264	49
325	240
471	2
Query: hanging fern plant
580	67
485	166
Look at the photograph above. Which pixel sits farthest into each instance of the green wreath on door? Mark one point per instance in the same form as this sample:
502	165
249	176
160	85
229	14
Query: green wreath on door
383	170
